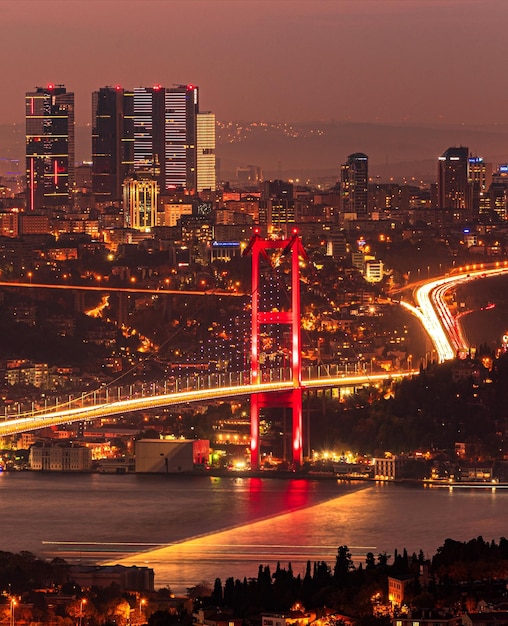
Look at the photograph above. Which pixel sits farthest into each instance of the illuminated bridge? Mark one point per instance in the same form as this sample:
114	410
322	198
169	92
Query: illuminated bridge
109	402
282	387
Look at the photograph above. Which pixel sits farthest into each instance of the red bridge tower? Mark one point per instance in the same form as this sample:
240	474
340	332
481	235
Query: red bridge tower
292	398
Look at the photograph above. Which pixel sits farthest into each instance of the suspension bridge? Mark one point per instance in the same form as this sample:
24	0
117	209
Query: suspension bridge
281	387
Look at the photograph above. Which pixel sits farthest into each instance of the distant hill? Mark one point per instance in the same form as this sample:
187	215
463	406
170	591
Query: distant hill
316	150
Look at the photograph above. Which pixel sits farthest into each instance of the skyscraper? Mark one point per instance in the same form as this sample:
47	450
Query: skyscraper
112	142
50	159
148	123
165	129
205	148
454	188
354	185
151	130
180	157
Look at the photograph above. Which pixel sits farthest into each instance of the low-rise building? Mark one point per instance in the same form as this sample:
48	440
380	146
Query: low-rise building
388	468
171	456
132	578
62	457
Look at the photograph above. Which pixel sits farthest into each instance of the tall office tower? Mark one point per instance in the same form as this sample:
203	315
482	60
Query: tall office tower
205	147
354	185
180	158
49	147
112	142
165	129
148	126
454	188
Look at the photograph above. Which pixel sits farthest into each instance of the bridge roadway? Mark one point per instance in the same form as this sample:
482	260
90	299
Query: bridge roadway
43	419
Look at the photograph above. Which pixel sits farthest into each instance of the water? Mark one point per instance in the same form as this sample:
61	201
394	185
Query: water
190	529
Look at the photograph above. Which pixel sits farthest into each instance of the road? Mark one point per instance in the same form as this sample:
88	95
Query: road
42	419
104	288
442	327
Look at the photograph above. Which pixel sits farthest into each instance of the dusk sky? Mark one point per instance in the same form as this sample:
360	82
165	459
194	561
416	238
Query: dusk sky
273	60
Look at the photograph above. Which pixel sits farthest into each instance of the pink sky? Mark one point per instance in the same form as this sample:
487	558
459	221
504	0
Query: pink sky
293	60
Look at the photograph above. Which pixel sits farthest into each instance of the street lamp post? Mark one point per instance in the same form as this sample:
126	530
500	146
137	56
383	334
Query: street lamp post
81	605
142	603
13	604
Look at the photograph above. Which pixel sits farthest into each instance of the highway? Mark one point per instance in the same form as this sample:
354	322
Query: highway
440	324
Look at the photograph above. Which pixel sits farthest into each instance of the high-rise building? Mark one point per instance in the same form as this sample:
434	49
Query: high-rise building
152	130
180	124
354	185
165	129
205	147
50	159
148	123
112	142
454	188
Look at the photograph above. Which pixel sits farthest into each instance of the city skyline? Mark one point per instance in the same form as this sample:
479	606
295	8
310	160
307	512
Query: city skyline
384	60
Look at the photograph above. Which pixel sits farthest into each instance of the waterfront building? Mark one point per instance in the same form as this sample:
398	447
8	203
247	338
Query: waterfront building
50	153
388	468
171	456
60	458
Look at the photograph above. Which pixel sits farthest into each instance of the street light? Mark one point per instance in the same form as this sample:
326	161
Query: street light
142	603
81	605
13	604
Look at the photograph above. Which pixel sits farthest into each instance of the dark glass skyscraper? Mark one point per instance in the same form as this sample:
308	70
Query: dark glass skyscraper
50	159
454	188
354	185
112	142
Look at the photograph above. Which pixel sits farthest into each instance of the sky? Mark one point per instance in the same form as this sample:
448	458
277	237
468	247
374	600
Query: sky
388	61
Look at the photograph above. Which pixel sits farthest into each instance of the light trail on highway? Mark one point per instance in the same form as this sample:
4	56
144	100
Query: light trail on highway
39	420
107	288
432	311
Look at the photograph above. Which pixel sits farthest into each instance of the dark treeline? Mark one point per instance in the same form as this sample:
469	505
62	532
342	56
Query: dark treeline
460	400
343	586
349	588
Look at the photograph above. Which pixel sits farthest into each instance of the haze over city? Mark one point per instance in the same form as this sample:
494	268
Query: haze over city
414	61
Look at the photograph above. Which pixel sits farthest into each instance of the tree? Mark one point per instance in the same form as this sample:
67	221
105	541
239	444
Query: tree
343	565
